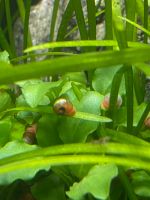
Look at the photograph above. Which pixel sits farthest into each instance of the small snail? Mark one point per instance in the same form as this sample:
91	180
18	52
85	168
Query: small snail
106	102
147	122
64	107
29	135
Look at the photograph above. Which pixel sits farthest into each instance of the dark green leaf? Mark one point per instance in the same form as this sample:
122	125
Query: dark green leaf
5	129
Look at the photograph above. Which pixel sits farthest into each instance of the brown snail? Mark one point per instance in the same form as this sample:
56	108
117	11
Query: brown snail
64	107
106	102
147	122
29	135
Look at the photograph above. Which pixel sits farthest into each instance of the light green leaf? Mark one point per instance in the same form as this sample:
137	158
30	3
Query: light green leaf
13	148
102	82
4	56
81	43
85	61
5	100
91	117
97	182
35	93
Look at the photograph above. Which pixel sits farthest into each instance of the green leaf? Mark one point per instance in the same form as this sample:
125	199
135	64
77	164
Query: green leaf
80	43
50	187
47	134
14	148
35	94
102	83
86	61
4	56
91	117
97	182
5	128
5	101
141	183
76	130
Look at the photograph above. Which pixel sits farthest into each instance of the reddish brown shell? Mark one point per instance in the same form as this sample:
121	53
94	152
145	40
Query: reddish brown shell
106	101
64	107
147	122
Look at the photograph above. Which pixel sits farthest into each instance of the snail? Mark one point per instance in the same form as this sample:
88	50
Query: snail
64	107
29	135
106	102
147	122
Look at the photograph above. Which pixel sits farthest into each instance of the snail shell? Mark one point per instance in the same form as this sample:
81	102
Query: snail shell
64	107
106	102
29	135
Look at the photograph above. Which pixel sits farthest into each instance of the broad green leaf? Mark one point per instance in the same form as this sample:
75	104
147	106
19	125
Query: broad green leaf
4	56
5	129
102	80
79	77
73	130
97	182
141	183
17	131
49	187
35	94
5	101
47	134
13	148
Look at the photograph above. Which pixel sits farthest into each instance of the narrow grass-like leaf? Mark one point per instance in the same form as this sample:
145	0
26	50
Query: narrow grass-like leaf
80	43
91	19
88	148
143	117
129	97
130	14
2	9
26	24
108	20
139	85
20	58
9	26
4	43
140	11
80	19
48	110
125	137
122	43
143	67
19	162
114	91
118	24
64	22
91	117
53	19
76	63
145	18
136	25
86	20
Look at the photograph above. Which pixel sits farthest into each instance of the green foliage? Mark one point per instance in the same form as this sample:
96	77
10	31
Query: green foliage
77	150
95	183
